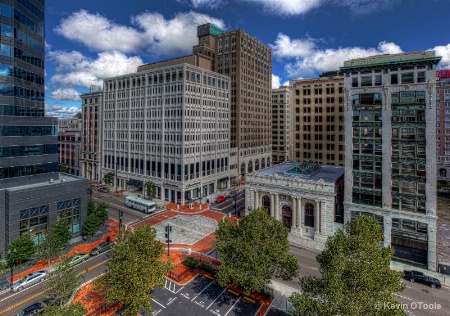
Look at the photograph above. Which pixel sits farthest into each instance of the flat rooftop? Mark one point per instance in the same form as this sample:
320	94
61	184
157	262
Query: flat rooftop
305	170
63	178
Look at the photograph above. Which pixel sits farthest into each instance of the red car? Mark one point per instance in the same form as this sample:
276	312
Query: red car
220	198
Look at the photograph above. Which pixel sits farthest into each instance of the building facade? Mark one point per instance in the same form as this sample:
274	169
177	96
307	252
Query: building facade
281	125
91	139
306	197
317	121
171	126
69	144
28	142
443	125
248	63
390	155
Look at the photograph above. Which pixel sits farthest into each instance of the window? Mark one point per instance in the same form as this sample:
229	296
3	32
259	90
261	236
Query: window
394	79
70	210
408	77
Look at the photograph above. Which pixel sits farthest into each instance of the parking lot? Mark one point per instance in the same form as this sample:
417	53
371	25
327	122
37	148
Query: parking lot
202	296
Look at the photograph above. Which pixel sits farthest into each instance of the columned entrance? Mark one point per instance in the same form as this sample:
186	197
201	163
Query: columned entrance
286	216
309	215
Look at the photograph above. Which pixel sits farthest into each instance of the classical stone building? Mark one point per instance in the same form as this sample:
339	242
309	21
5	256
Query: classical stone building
306	197
443	125
390	152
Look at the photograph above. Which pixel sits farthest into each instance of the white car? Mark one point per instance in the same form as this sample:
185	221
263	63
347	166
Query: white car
29	280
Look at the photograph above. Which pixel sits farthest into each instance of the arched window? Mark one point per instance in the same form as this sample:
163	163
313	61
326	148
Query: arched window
263	163
443	173
309	215
243	168
256	164
250	166
266	203
268	162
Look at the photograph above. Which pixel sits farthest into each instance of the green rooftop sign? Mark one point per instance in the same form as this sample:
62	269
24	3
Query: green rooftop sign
215	30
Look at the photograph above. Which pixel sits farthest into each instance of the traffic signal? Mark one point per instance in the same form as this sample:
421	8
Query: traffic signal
168	231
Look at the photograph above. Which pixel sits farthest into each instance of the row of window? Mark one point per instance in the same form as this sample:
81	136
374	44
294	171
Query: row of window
27	170
9	130
30	150
17	110
12	71
31	7
10	12
7	90
10	31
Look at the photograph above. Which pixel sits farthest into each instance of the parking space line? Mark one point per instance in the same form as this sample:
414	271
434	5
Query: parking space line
158	303
202	291
233	305
179	290
216	298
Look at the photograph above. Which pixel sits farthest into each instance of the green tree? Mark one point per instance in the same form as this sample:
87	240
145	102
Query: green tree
356	275
63	282
136	267
76	309
64	168
254	251
97	214
108	178
150	188
90	207
20	250
52	245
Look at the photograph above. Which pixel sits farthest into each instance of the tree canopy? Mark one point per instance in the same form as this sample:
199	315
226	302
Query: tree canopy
108	178
254	252
63	282
97	214
356	275
136	267
20	250
53	244
150	188
76	309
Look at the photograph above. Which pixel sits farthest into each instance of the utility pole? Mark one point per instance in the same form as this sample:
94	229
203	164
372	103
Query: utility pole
115	180
168	240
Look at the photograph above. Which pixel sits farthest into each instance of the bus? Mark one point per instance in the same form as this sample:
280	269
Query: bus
140	204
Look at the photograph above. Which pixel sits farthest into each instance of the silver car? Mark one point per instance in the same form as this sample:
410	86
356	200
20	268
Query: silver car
29	280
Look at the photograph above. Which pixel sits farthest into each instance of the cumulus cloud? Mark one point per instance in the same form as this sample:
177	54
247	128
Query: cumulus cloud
203	3
69	94
61	111
309	60
75	69
444	52
276	82
150	32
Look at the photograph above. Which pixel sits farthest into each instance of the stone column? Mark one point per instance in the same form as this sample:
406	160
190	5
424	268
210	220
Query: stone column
300	213
319	210
316	217
387	224
432	266
254	200
294	212
272	206
277	204
347	215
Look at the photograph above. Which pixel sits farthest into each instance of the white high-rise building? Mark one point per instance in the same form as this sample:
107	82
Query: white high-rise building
169	125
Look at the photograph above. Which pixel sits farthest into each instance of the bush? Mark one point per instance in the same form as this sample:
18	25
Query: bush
191	263
208	268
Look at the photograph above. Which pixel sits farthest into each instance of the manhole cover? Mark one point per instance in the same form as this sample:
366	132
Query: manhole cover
425	291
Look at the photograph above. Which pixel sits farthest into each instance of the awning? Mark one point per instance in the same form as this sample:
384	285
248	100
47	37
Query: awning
223	179
136	183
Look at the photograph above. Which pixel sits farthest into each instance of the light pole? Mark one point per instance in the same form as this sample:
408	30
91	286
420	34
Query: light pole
12	256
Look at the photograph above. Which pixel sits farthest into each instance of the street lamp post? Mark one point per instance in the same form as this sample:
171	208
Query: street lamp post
12	256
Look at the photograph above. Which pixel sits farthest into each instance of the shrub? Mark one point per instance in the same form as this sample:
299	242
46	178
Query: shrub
191	263
208	268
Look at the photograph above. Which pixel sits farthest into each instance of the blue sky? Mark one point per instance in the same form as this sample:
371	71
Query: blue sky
89	40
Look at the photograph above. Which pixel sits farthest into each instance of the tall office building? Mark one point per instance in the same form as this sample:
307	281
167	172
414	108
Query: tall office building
92	117
169	125
443	124
281	125
248	63
317	121
390	153
32	193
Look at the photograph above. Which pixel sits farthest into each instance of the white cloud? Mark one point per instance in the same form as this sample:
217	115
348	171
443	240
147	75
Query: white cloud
297	7
444	52
149	32
276	82
285	47
310	60
74	69
69	94
61	111
203	3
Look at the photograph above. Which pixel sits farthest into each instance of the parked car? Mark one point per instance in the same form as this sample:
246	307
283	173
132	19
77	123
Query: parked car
35	309
29	280
416	276
101	248
78	258
103	189
220	198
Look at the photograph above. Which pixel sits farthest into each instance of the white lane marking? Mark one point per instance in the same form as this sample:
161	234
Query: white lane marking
403	297
216	298
233	305
179	290
202	290
158	303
